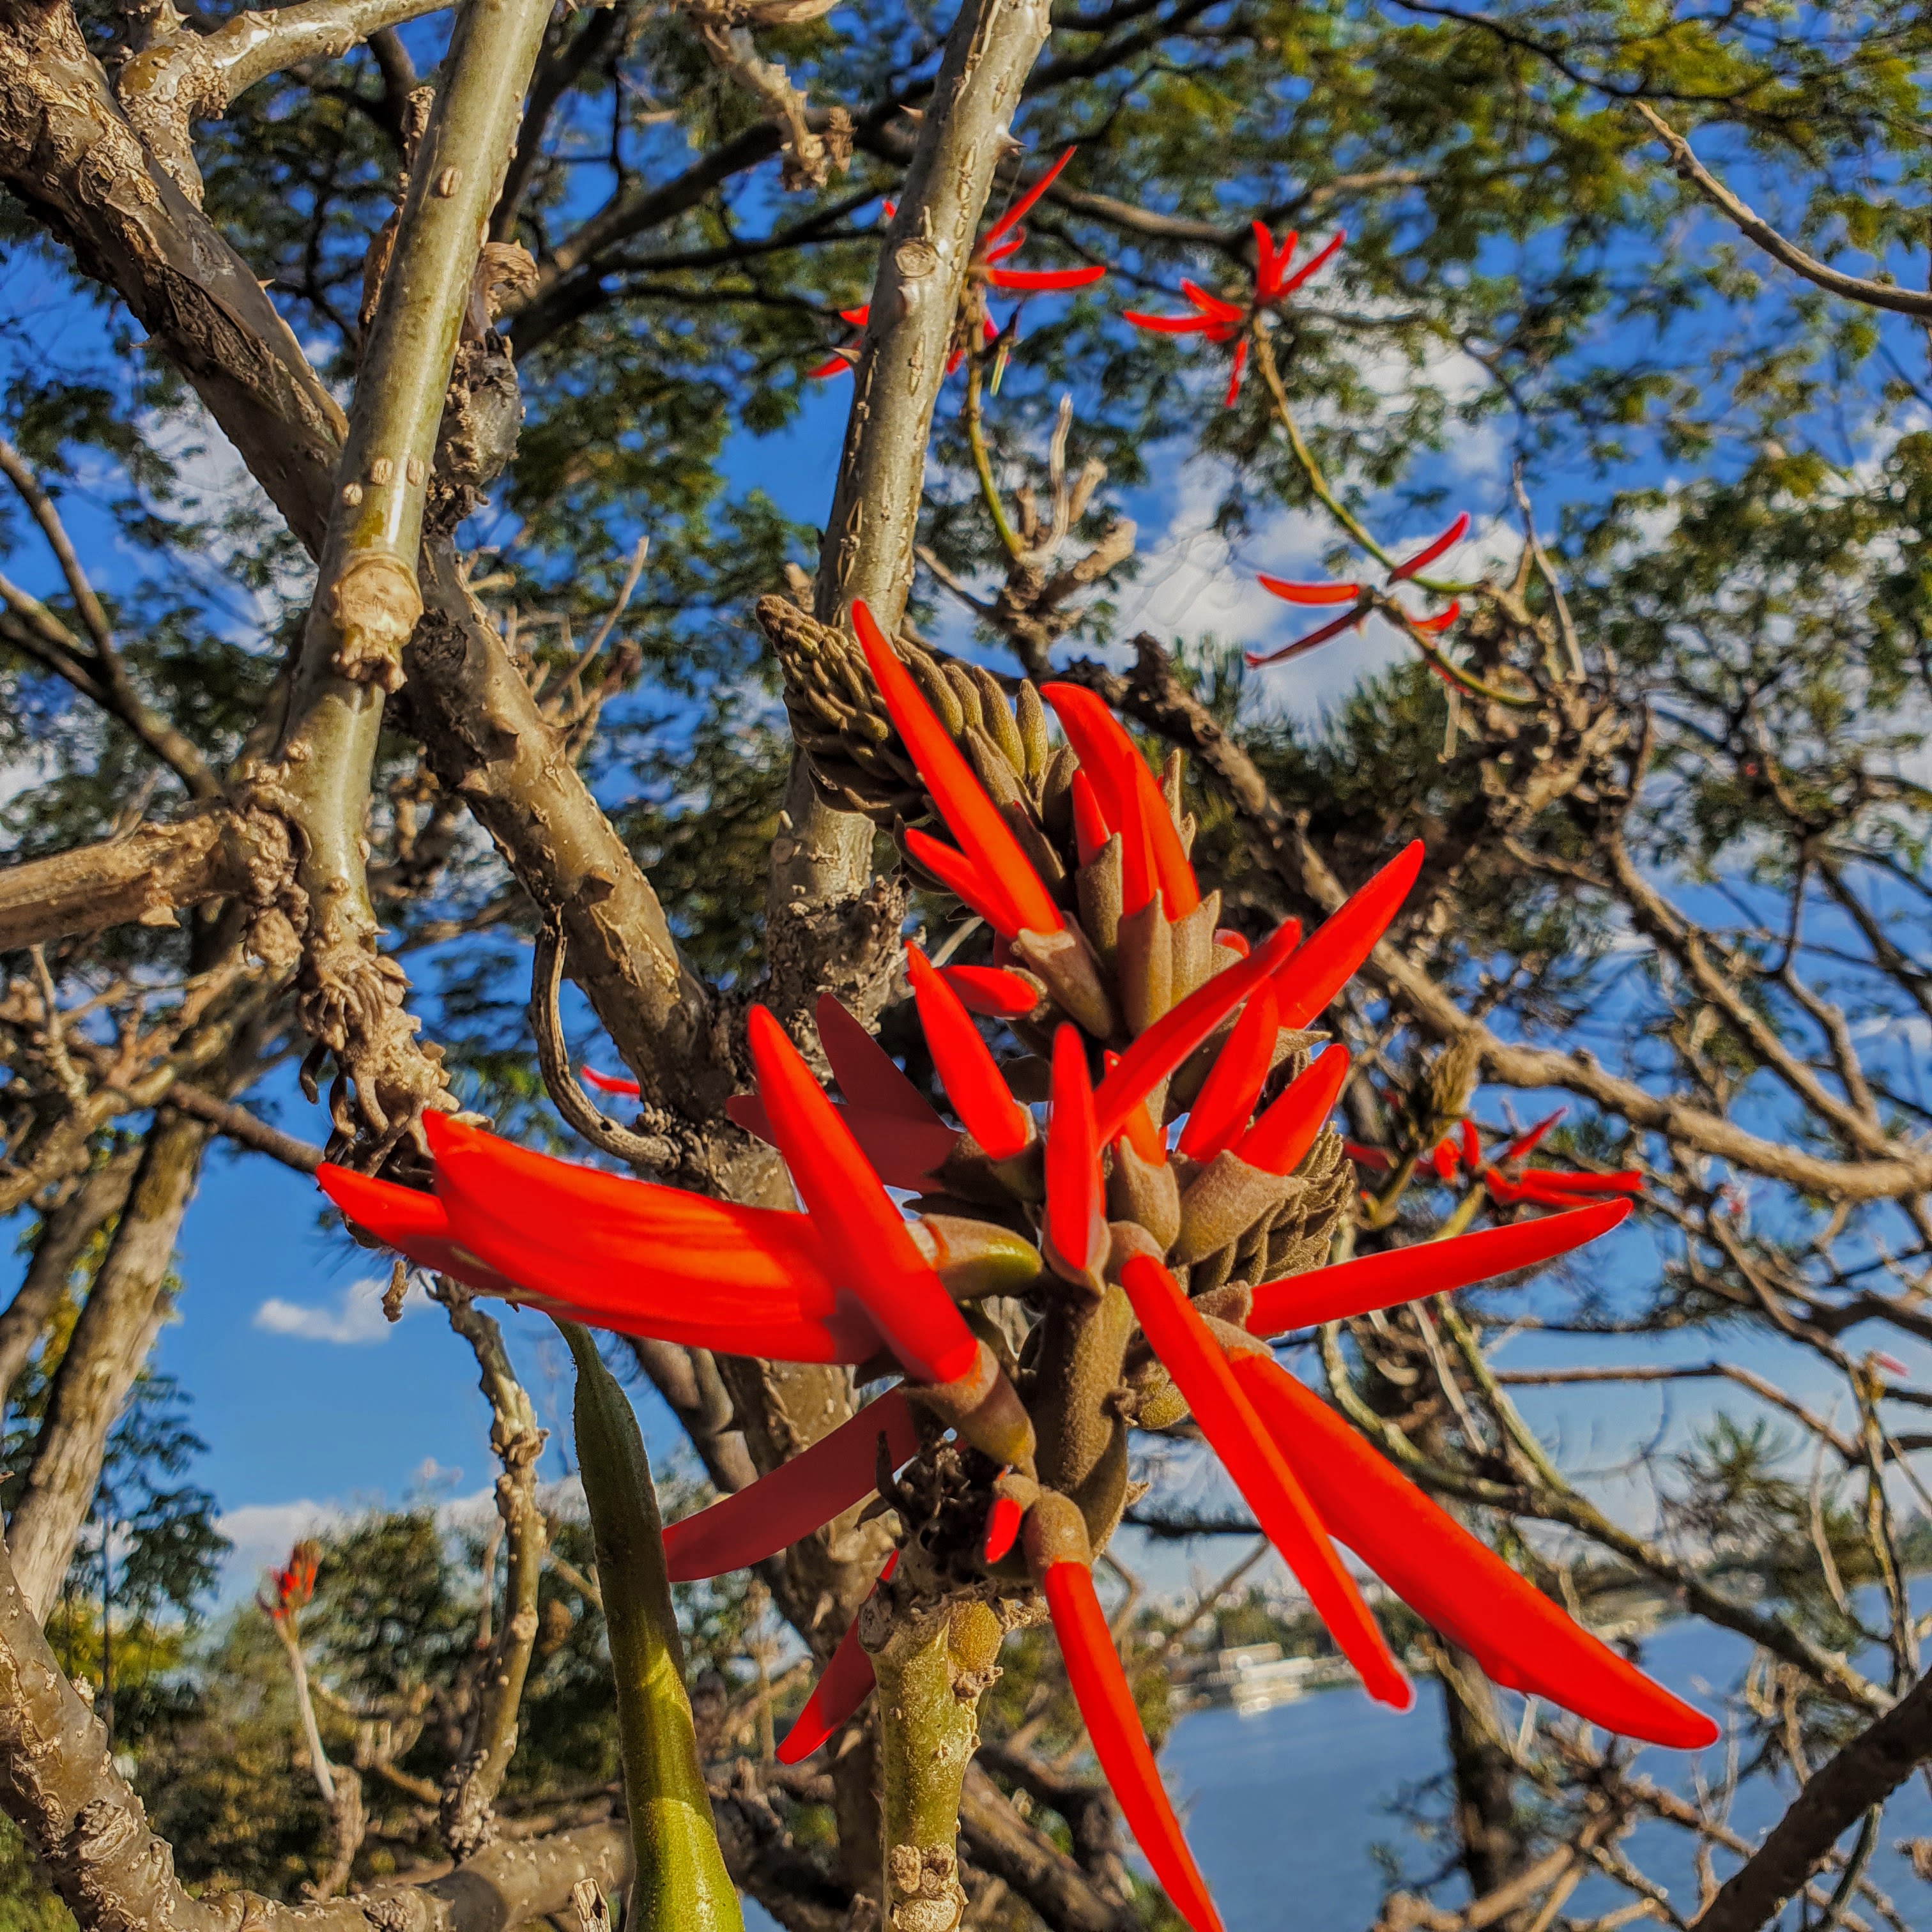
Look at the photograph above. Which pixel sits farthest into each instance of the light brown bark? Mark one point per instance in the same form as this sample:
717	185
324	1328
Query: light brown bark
65	1231
106	1352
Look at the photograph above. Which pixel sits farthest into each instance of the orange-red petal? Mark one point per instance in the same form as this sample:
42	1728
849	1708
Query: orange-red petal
904	1153
1430	551
415	1224
983	835
1114	1725
1017	212
967	1069
1370	1282
798	1497
1290	592
1513	1630
992	991
1276	1142
646	1260
1189	1353
1328	960
843	1685
855	1216
1076	1218
1227	1097
1178	1031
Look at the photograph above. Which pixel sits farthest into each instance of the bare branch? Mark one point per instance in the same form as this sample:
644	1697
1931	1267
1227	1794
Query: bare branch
468	1823
1853	288
146	878
104	1355
236	1123
1864	1773
185	75
367	598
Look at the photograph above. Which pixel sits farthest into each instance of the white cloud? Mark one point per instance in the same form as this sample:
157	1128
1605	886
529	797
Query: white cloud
355	1317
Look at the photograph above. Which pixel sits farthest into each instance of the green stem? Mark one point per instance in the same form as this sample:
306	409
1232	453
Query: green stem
927	1703
681	1884
1319	484
981	462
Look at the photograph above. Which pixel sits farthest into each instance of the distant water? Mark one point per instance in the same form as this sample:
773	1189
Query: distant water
1283	1808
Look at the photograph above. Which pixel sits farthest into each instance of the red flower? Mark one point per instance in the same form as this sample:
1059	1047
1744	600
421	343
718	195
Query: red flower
1541	1187
990	873
853	1279
294	1587
1290	592
1004	239
1219	320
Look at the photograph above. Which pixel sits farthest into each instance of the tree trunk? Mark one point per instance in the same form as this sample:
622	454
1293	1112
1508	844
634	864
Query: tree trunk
1488	1827
109	1344
65	1231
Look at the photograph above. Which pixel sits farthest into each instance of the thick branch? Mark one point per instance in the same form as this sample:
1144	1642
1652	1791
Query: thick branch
188	77
104	1355
59	133
144	879
367	597
65	1231
821	856
1865	1773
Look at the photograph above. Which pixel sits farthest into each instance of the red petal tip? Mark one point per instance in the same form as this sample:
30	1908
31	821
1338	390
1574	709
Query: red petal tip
1429	552
1277	1141
1003	1527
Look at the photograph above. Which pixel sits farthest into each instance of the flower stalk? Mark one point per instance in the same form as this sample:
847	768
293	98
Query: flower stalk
681	1884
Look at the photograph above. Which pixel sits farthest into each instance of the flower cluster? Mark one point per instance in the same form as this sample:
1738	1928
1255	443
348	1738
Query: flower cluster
984	270
1218	320
1150	1175
1500	1175
1360	598
292	1588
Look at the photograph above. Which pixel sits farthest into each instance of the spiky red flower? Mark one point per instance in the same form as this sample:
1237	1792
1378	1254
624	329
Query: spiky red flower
1291	592
292	1588
853	1279
1509	1183
1218	320
997	245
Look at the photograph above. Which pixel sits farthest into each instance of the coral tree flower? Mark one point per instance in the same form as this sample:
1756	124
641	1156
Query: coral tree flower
1220	321
1509	1182
293	1589
1315	595
985	267
855	1278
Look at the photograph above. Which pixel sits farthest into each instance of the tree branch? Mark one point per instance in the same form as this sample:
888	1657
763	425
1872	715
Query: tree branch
1864	1773
105	1353
367	597
59	1783
822	856
144	879
186	76
467	1821
1751	224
